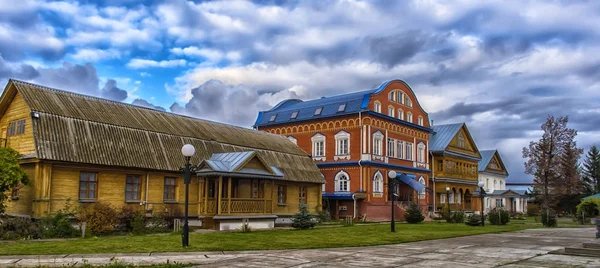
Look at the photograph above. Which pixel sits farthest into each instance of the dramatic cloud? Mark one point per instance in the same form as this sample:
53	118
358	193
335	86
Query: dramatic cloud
142	63
112	92
144	103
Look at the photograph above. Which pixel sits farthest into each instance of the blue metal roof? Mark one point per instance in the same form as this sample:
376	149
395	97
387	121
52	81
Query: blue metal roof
338	196
486	157
355	102
230	162
443	135
410	180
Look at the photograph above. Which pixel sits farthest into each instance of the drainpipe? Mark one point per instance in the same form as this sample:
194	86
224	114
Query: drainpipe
361	174
360	149
354	211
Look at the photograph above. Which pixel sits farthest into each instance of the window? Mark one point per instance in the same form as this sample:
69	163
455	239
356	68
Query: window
258	189
292	139
169	194
14	194
318	111
342	182
391	147
420	121
132	188
377	107
461	140
272	119
318	145
302	195
342	143
440	165
442	198
409	117
281	194
21	126
342	108
294	115
422	192
377	146
16	128
391	111
378	183
88	186
399	148
421	153
499	203
400	97
392	96
11	129
407	101
409	151
400	114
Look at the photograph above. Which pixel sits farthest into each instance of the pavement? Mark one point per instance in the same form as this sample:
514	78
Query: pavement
528	248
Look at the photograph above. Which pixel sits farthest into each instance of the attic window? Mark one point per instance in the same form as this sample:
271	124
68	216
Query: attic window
294	115
318	111
342	107
272	119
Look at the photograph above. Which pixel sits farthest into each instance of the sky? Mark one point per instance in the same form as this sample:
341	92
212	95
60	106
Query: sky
500	66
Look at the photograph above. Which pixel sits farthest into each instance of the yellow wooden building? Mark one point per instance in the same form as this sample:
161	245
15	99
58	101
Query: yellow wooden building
454	157
85	149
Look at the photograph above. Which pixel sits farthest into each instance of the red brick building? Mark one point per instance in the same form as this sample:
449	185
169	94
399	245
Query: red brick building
356	139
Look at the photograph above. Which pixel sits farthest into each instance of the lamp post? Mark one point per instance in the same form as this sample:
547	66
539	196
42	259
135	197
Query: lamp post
482	195
187	150
448	198
391	176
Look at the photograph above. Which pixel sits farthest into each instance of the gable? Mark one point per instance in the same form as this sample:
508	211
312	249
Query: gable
14	109
462	142
496	165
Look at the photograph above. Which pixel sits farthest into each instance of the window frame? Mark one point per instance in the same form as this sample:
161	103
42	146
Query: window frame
391	111
392	96
302	195
340	138
338	180
138	190
378	182
378	144
420	120
167	191
281	194
294	115
409	117
377	106
87	184
422	192
318	111
318	139
272	118
409	151
391	144
400	114
421	152
460	141
341	108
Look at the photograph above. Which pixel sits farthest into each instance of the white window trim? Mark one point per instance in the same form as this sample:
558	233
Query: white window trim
393	96
378	177
408	155
400	114
318	138
422	192
421	152
337	181
409	117
378	136
420	121
391	111
401	97
338	137
400	153
392	147
377	107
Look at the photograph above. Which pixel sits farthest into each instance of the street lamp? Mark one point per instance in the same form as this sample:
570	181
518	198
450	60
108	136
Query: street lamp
482	195
391	176
187	150
448	198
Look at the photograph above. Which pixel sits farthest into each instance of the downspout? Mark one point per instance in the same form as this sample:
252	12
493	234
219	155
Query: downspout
360	150
146	201
354	210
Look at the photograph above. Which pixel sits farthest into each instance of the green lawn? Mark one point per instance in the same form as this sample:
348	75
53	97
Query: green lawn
376	234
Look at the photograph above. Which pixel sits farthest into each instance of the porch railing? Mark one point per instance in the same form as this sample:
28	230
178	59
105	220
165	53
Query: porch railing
246	205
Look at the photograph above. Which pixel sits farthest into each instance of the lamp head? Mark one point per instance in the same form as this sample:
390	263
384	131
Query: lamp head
188	150
392	174
481	184
447	189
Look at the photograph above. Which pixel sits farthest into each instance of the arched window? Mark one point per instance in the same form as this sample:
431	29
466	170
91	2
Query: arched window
400	114
342	182
407	101
420	121
409	117
391	111
377	107
292	139
459	196
378	182
422	192
451	196
377	143
392	96
401	97
421	152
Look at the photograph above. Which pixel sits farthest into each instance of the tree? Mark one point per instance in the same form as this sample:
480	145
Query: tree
569	182
544	157
303	219
414	214
591	169
11	174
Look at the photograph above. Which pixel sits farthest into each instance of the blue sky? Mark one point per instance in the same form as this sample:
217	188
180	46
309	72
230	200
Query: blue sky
499	66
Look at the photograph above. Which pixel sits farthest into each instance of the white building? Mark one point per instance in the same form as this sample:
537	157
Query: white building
493	173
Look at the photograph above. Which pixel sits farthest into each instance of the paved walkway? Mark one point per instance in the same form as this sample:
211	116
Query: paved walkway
527	248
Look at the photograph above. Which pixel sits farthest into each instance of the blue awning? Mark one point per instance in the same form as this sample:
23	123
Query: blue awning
410	180
338	196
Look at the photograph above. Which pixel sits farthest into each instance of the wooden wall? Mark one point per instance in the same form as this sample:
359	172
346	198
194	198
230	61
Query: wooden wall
22	143
24	204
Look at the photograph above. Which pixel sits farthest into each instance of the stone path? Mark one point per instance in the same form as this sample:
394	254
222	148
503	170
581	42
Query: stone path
527	248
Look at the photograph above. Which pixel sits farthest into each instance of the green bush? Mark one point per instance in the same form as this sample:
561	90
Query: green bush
100	217
18	228
159	223
473	220
303	219
58	226
324	215
549	218
138	225
127	216
498	216
414	214
533	210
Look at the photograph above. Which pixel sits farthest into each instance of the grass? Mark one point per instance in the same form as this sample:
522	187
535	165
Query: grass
365	235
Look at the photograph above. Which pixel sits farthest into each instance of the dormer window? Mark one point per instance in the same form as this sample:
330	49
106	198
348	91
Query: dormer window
318	111
272	119
341	108
392	96
294	115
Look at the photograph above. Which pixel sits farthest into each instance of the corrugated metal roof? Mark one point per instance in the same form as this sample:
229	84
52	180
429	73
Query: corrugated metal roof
230	162
84	129
443	135
486	157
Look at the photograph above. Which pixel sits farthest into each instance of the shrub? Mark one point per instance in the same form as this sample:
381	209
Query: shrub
138	225
458	217
58	226
549	218
589	207
324	215
18	228
473	220
159	223
127	216
100	217
245	228
533	210
414	214
498	216
303	219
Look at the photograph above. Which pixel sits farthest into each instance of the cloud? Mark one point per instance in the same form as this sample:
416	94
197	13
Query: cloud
16	71
144	103
94	55
143	63
112	92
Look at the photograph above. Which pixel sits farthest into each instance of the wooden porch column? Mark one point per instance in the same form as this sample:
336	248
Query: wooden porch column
263	196
229	196
219	208
273	197
205	195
